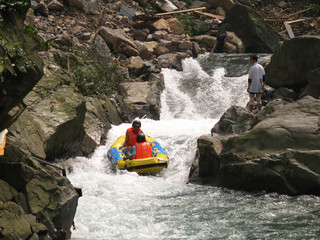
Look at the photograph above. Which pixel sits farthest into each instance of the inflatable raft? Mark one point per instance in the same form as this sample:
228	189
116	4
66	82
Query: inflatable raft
142	166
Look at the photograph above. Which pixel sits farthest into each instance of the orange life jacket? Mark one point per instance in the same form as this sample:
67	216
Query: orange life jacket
143	150
132	137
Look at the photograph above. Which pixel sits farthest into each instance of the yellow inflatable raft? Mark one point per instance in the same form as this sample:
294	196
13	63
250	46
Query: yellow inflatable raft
142	166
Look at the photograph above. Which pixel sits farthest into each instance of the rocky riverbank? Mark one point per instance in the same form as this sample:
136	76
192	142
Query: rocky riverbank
276	150
76	67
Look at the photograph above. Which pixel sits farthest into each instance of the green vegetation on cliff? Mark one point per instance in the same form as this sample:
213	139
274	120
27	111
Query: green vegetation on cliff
11	5
94	74
193	26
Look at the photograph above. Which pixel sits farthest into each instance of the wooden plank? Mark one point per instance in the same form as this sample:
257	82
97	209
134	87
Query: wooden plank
181	11
295	21
296	13
289	30
210	15
275	19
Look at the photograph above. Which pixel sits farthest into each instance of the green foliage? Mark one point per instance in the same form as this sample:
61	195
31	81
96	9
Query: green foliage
44	45
13	57
192	26
14	52
32	31
9	5
12	4
95	75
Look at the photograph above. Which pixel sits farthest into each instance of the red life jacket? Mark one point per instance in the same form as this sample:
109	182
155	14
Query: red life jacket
143	150
132	137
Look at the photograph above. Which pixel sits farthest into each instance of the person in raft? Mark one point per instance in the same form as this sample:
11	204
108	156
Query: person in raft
131	137
142	148
256	82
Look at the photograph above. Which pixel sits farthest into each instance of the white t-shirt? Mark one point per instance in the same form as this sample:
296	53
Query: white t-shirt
256	73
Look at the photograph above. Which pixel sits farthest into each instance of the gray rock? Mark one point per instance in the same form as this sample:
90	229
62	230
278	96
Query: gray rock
235	120
225	4
118	41
292	61
55	5
313	87
279	154
87	6
166	5
249	26
144	97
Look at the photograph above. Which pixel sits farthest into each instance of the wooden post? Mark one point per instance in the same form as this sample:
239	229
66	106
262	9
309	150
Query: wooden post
181	11
289	29
210	15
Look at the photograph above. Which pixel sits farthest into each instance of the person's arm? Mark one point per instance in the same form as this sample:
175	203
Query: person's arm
250	79
249	84
263	82
125	141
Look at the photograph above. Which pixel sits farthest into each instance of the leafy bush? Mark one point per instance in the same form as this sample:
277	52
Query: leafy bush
95	75
192	26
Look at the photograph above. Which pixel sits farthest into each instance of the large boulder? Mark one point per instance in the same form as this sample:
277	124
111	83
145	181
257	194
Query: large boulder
249	26
294	65
14	223
234	44
175	26
313	87
293	126
235	120
143	98
279	154
118	41
87	6
37	201
172	60
100	114
53	108
59	121
158	25
205	41
225	4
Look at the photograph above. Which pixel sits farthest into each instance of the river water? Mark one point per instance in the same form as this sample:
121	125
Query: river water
123	205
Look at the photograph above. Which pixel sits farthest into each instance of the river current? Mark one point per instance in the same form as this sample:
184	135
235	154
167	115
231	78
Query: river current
123	205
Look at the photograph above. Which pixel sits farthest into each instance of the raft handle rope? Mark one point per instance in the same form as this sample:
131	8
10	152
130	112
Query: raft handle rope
50	164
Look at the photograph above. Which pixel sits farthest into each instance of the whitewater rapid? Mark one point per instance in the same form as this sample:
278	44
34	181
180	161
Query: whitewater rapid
124	205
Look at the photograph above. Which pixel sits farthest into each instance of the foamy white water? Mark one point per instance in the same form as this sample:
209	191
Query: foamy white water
123	205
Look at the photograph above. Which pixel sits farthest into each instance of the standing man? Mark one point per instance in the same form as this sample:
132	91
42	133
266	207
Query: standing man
256	82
